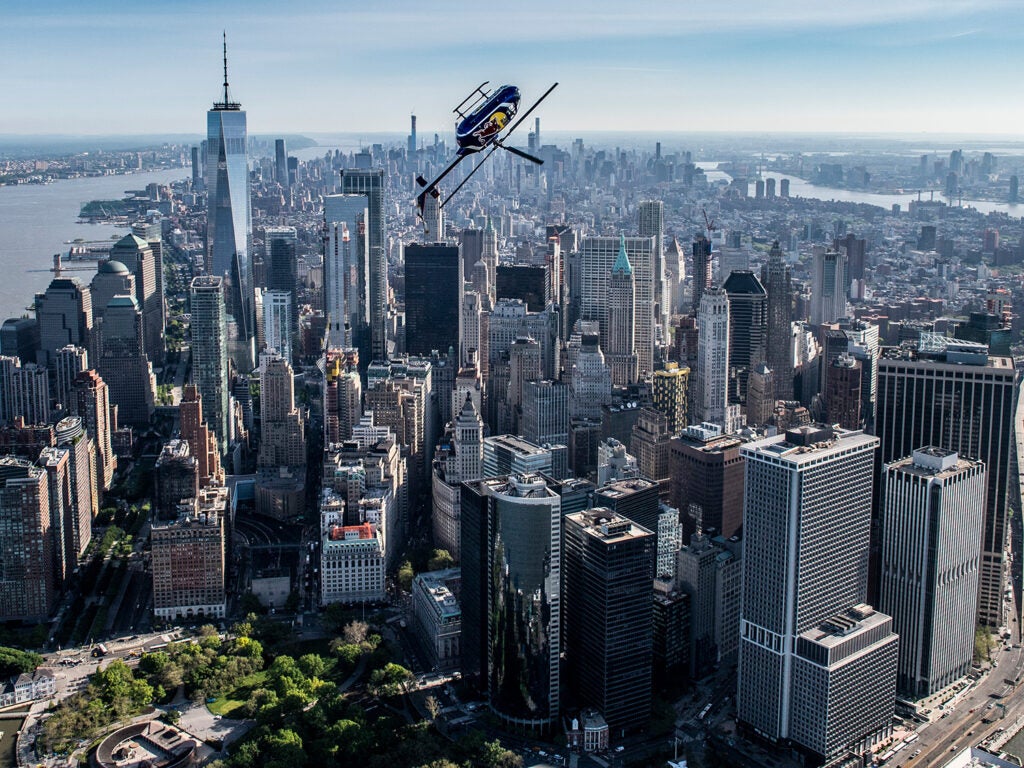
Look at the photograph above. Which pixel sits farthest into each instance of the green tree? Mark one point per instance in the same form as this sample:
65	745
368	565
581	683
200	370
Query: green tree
405	575
439	560
312	665
14	662
391	680
494	755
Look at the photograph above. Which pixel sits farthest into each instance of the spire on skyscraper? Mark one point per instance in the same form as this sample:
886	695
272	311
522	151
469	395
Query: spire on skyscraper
227	104
622	260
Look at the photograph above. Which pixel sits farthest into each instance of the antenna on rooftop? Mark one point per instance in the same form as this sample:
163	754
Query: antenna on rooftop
226	99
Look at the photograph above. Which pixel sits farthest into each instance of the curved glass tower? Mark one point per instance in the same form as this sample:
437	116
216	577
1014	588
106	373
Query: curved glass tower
229	221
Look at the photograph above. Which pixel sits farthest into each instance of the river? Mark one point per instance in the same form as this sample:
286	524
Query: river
36	220
800	188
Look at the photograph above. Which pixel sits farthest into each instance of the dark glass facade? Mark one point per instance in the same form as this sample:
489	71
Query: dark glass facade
433	284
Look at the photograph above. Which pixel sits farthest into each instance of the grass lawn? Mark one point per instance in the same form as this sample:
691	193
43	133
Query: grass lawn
228	702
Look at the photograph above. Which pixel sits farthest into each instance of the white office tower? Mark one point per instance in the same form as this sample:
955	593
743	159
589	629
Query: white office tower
471	339
597	257
590	381
433	219
817	668
931	548
828	285
614	462
277	322
346	266
713	356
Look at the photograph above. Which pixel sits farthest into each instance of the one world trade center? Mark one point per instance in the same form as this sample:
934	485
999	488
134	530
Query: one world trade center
229	223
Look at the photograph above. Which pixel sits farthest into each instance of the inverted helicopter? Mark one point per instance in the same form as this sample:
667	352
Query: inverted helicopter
486	123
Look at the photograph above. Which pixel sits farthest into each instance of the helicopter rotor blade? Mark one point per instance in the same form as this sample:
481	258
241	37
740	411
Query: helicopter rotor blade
468	176
526	114
520	153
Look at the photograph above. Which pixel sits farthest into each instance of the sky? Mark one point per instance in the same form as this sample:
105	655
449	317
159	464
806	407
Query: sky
775	66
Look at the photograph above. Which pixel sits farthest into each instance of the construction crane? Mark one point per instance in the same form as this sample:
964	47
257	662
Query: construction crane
709	224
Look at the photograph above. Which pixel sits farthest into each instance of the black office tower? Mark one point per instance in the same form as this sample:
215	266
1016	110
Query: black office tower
609	570
433	283
954	395
522	281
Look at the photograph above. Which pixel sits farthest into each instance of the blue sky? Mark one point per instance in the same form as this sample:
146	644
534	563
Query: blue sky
113	67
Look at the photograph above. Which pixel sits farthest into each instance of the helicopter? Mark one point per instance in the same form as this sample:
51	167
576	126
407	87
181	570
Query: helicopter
481	126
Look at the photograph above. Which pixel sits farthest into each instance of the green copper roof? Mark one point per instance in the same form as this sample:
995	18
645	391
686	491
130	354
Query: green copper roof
622	260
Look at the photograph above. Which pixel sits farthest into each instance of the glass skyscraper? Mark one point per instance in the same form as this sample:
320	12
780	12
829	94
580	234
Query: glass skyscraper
229	220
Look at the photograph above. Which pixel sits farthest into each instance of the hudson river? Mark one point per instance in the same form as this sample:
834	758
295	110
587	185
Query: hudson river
37	219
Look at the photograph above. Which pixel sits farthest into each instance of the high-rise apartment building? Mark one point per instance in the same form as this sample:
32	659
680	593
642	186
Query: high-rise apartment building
433	290
210	353
954	395
609	568
806	638
202	442
28	579
91	402
176	477
188	559
69	362
933	515
229	222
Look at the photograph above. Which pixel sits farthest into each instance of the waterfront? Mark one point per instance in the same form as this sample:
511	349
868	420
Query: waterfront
801	188
37	219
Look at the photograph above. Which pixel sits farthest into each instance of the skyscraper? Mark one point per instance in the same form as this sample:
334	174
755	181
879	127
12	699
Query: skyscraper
598	256
609	567
775	276
459	459
829	285
92	403
817	668
511	596
277	322
229	220
651	216
124	364
280	163
370	182
281	465
64	314
748	328
702	270
668	391
621	356
931	550
144	260
433	287
346	270
201	442
70	361
28	585
842	395
954	395
210	353
713	355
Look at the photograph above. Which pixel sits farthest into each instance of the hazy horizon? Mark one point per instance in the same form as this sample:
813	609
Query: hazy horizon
801	66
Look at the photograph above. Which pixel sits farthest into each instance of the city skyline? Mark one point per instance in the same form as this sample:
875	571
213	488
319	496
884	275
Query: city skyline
698	68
